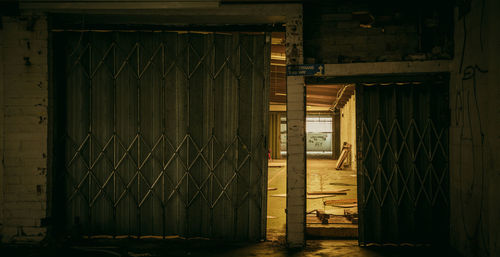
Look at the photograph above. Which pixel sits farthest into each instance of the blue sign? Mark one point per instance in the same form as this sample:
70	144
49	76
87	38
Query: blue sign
305	70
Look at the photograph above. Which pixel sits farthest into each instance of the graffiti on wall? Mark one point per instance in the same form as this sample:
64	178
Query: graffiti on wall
319	141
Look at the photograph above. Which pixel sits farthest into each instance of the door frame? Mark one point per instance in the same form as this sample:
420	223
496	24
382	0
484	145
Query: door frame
365	73
246	17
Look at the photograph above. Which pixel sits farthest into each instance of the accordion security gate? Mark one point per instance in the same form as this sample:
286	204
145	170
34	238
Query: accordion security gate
403	188
161	133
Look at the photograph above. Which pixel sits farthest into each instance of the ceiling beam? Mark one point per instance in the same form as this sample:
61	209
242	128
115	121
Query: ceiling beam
322	91
318	104
325	86
328	97
379	68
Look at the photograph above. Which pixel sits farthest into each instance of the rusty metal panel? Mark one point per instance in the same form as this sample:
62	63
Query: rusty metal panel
162	133
403	162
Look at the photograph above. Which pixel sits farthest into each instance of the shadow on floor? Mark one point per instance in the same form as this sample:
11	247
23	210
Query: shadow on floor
182	247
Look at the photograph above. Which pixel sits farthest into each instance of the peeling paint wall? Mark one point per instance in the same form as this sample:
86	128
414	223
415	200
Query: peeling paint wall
474	133
24	131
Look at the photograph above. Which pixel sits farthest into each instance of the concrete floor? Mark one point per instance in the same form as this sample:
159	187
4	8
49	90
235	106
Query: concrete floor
197	247
321	176
276	219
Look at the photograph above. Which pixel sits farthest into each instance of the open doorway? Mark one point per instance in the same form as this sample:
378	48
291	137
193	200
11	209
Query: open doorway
331	161
276	193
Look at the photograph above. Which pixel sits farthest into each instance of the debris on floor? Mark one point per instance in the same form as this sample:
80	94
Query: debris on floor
352	215
346	150
343	203
352	205
308	197
334	192
322	217
342	184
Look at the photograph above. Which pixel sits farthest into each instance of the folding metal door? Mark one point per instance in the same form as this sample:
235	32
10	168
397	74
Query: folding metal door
403	162
161	133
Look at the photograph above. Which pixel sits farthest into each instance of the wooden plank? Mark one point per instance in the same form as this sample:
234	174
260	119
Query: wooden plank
318	104
341	201
346	149
308	197
345	205
330	91
341	184
327	86
322	96
333	192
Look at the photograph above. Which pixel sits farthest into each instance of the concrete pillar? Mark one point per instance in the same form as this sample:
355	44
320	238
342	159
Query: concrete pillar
296	147
336	135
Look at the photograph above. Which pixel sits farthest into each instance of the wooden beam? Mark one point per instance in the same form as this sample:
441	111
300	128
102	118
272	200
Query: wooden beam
328	97
332	92
331	86
318	103
379	68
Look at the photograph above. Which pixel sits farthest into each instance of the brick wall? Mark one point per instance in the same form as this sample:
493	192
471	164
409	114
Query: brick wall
348	127
379	31
24	101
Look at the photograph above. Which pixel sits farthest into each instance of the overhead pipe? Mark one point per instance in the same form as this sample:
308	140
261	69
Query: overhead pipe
340	93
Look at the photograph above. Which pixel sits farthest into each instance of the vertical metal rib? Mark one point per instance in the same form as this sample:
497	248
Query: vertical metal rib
188	138
212	135
234	180
138	139
163	120
237	107
115	159
90	140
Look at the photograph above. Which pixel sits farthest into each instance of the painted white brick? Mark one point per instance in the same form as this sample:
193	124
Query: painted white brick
295	201
24	128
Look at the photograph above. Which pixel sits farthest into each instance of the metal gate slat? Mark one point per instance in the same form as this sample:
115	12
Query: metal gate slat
402	163
156	135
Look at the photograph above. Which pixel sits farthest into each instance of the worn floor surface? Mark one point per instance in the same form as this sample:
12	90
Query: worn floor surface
321	176
194	248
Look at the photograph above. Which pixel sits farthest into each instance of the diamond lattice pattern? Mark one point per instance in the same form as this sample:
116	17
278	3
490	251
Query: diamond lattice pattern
403	166
163	133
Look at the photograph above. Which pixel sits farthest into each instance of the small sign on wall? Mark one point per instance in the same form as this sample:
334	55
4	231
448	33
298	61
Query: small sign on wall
305	70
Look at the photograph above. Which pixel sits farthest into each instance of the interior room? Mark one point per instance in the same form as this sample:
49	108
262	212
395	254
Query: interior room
331	163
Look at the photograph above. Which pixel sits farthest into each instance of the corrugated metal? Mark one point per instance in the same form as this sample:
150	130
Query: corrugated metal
162	133
403	163
275	134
